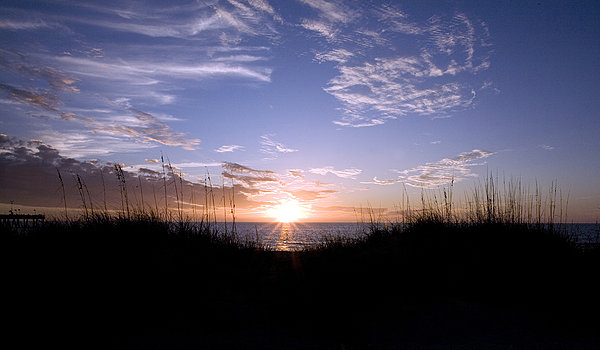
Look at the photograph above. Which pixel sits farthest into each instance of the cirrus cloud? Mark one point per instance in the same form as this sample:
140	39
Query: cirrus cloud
346	173
229	148
378	82
439	173
272	147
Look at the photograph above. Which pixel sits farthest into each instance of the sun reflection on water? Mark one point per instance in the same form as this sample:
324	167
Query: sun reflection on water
283	237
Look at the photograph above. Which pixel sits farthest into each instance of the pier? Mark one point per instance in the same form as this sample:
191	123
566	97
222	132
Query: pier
21	220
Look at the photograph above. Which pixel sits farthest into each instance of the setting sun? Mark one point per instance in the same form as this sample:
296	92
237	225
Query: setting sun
288	211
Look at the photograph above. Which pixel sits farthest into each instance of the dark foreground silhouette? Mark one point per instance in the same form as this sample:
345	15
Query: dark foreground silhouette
146	284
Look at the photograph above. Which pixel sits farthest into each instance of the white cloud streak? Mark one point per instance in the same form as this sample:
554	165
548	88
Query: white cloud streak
121	129
23	25
238	168
196	164
78	144
331	11
264	6
346	173
337	55
323	29
439	173
332	18
272	147
229	148
193	21
150	73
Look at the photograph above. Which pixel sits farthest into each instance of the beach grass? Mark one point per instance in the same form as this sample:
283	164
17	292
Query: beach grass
498	271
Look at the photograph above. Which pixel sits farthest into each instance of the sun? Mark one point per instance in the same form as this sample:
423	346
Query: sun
287	211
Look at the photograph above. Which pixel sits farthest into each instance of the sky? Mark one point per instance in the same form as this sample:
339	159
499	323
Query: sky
330	105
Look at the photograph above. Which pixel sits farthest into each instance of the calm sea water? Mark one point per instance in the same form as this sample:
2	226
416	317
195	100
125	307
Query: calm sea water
296	236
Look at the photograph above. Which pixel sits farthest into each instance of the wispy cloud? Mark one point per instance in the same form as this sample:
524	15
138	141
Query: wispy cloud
23	25
74	143
238	168
311	195
45	95
439	173
22	64
149	71
488	85
123	129
376	83
189	21
103	121
264	6
296	172
346	173
41	99
332	11
145	128
151	81
105	118
31	179
325	30
197	164
239	58
248	180
396	20
156	165
332	18
229	148
546	147
337	55
271	186
390	88
272	147
152	72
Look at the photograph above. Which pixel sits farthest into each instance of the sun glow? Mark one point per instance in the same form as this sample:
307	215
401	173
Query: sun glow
288	211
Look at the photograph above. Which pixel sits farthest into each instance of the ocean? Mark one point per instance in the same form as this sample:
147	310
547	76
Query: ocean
300	235
293	236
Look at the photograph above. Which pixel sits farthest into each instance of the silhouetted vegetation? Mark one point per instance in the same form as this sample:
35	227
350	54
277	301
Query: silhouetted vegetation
490	277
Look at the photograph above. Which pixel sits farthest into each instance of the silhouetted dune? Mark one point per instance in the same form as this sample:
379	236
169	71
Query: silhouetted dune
146	284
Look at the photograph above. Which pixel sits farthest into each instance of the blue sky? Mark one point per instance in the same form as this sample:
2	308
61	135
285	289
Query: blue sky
333	104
